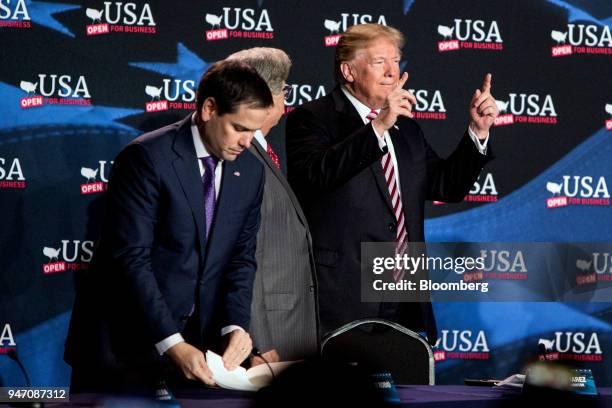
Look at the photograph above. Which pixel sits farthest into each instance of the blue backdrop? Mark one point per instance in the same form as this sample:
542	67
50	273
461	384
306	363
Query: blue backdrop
80	79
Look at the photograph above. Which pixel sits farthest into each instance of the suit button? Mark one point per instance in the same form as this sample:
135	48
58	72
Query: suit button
311	288
392	227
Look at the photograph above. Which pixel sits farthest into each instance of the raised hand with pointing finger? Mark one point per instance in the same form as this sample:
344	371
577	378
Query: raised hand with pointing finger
483	109
398	102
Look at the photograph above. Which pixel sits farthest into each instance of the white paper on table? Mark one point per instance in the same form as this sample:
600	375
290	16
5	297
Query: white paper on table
514	381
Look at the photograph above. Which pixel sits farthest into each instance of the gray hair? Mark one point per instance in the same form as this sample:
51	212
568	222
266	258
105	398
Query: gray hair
272	64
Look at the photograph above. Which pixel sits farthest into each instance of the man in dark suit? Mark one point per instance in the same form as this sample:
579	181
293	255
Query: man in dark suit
176	260
362	170
283	312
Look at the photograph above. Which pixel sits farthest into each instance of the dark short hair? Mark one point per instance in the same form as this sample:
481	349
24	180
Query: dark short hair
233	83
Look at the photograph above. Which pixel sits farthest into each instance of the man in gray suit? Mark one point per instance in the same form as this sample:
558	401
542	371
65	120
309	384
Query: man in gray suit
284	316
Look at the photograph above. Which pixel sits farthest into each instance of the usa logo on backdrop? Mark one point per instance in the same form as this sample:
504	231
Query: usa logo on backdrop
14	14
462	345
302	93
581	39
7	340
55	89
501	264
174	94
484	190
93	186
526	108
236	22
596	269
337	26
577	346
609	111
470	35
430	105
11	174
70	255
578	190
119	17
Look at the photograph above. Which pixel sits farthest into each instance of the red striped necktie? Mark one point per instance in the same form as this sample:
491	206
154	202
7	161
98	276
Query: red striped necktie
273	156
396	202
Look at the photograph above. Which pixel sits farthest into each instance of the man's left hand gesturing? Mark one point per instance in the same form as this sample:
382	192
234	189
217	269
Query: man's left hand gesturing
483	109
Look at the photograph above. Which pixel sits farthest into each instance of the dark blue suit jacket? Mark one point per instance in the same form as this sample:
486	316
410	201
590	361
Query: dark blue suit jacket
153	261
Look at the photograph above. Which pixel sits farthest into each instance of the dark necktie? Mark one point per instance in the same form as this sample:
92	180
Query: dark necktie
208	181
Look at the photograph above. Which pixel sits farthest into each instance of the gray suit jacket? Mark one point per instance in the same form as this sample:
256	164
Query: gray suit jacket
284	311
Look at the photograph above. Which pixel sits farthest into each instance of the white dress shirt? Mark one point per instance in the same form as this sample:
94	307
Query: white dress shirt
261	139
201	152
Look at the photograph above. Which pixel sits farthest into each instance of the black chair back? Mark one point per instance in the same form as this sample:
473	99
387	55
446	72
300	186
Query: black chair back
379	346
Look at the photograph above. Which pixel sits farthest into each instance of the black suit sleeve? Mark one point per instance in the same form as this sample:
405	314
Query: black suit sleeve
133	197
240	270
452	178
320	161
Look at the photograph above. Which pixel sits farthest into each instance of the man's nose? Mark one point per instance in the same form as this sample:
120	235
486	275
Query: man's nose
245	141
389	69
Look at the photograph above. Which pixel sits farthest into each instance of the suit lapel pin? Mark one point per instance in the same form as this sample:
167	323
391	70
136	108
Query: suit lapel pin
396	127
237	173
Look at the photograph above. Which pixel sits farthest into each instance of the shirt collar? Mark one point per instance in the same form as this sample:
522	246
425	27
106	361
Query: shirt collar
261	139
362	109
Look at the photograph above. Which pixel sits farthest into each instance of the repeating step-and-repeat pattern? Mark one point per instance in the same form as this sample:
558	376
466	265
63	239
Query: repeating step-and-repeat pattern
80	79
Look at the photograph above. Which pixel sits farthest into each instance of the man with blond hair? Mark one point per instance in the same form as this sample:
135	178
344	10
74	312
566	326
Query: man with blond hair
362	170
283	311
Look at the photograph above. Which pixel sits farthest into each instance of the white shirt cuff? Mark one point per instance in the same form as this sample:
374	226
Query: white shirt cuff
229	329
169	342
177	338
381	140
481	145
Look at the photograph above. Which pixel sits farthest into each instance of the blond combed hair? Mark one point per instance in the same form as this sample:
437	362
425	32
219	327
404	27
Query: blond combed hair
358	37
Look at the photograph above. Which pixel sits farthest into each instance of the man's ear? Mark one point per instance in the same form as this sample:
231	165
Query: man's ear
347	72
209	107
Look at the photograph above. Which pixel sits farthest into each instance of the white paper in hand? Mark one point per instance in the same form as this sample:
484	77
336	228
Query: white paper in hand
236	379
244	380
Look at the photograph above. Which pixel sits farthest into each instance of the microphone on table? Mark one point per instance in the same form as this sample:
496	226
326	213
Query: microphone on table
256	353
